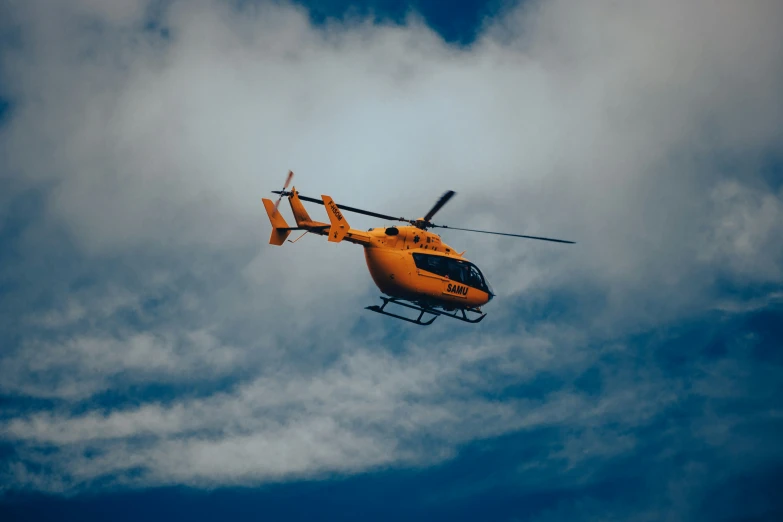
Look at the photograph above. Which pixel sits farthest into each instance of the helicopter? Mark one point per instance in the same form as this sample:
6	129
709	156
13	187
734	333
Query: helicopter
409	264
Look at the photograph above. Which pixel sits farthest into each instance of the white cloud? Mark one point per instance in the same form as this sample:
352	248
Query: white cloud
368	409
746	236
612	125
79	367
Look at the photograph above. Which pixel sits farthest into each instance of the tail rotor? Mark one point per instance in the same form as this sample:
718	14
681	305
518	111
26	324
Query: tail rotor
285	186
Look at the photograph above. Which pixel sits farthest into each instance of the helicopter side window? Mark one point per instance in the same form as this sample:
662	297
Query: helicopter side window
435	264
458	272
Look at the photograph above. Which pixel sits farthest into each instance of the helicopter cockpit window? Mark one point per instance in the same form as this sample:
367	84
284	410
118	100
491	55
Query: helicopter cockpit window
455	269
474	277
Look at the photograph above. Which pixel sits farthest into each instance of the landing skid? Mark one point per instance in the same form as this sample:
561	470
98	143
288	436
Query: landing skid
423	310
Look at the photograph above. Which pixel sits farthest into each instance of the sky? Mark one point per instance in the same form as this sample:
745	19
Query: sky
159	359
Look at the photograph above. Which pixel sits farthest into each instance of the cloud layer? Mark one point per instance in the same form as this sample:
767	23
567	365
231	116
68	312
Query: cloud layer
153	337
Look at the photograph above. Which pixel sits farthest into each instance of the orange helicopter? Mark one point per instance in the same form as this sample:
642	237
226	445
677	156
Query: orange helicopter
409	264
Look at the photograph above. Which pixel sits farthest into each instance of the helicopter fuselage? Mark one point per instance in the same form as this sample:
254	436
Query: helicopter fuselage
415	264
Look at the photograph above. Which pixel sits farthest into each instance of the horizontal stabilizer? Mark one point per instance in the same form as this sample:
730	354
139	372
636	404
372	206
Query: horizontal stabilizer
309	229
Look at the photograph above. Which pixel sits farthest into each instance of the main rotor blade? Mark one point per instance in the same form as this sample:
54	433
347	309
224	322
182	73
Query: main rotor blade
505	234
442	201
346	208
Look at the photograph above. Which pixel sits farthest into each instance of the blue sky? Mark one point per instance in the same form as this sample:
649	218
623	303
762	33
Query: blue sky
160	359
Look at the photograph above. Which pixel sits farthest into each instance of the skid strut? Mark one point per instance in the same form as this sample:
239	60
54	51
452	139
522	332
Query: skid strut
422	310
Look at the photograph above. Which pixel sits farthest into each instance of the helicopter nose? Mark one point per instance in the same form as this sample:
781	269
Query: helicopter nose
490	291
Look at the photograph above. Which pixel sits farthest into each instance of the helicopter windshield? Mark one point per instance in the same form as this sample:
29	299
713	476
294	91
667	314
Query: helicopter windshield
455	269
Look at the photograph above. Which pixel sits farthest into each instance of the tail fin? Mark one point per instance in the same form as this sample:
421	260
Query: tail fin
340	225
300	214
280	229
